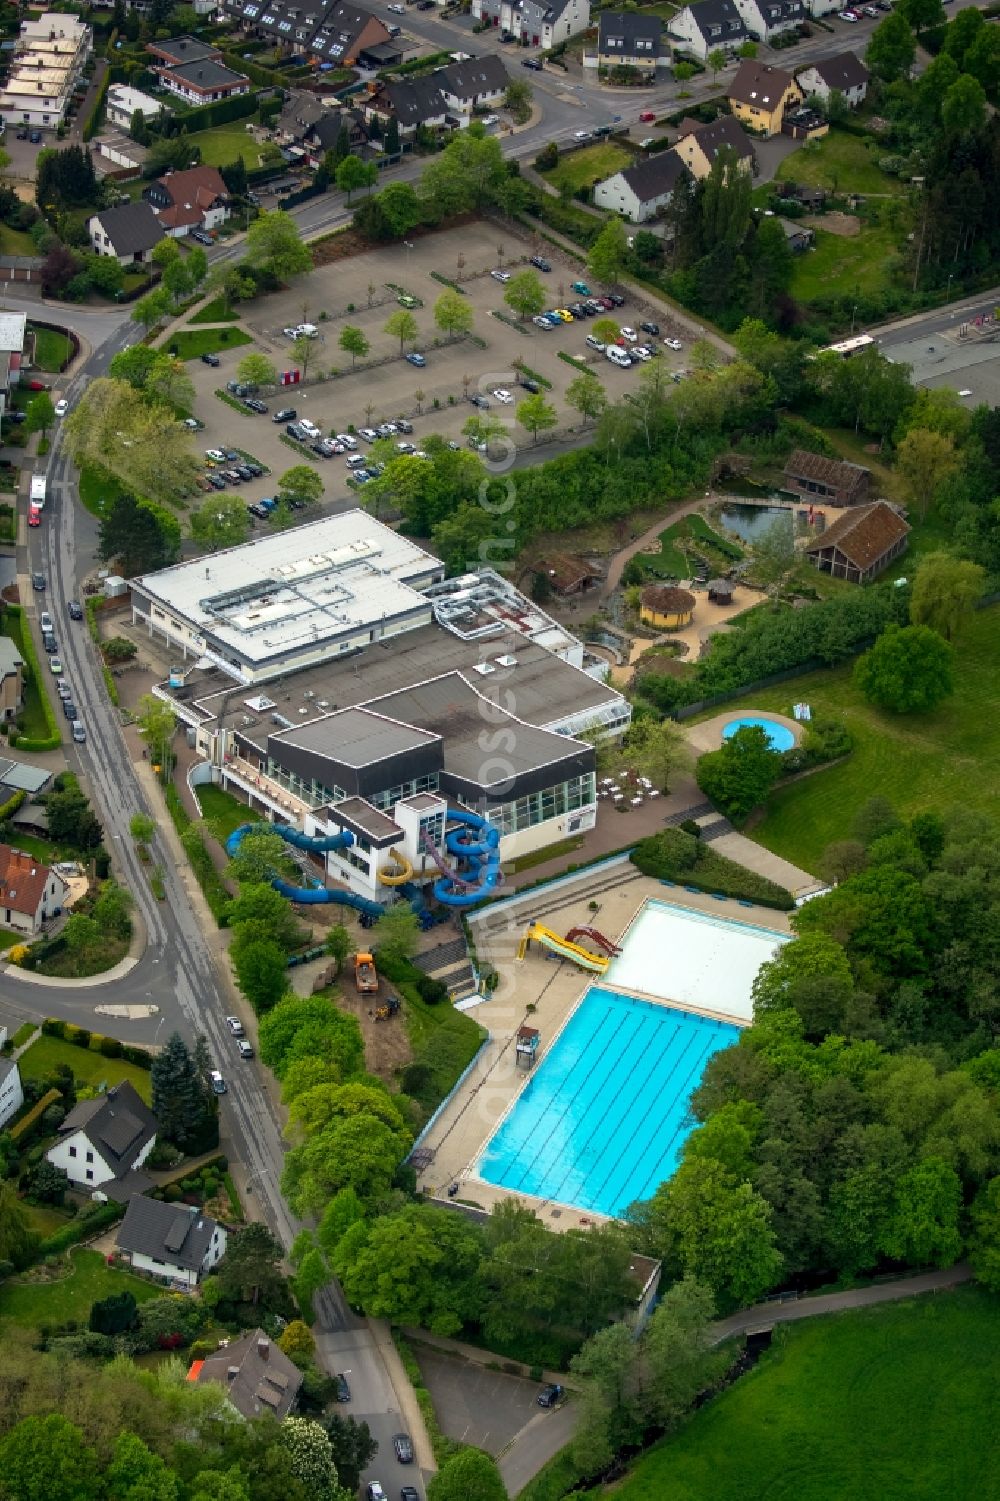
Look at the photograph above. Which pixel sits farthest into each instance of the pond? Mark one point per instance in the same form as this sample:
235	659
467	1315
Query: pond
751	523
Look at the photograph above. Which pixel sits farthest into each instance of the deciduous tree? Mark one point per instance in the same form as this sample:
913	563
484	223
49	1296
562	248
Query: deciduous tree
587	396
353	342
453	313
946	590
301	483
536	415
401	325
221	521
740	774
524	294
468	1476
256	370
261	973
908	670
609	252
274	245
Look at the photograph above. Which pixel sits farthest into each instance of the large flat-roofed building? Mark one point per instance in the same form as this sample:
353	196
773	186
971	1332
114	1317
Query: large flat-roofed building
50	55
338	695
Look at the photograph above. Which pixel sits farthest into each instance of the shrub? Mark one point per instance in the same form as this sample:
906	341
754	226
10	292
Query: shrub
110	1047
667	857
25	1125
172	1193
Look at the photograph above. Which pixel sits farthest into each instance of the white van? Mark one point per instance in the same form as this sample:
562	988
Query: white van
38	490
309	427
307	331
617	356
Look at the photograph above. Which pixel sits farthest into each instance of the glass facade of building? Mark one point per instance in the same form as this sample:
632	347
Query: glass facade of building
551	802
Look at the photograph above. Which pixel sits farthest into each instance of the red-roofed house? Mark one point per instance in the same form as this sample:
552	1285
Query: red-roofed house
193	199
29	891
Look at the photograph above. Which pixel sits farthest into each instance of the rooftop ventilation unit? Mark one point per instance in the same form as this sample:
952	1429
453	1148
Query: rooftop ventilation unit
507	661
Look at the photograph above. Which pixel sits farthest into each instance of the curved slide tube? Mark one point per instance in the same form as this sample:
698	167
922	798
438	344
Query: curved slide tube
561	946
398	877
290	836
307	895
594	935
482	854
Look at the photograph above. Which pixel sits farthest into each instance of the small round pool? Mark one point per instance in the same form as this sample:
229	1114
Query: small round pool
780	737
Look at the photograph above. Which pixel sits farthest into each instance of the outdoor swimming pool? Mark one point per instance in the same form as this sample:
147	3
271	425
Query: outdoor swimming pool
602	1120
779	735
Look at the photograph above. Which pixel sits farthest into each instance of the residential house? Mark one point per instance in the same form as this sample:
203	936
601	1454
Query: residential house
759	95
861	543
173	1241
122	103
257	1374
345	32
129	232
11	679
195	71
11	1092
12	334
104	1142
832	481
698	145
766	19
844	74
412	102
476	83
709	26
629	39
309	126
289	23
30	892
535	23
567	573
642	191
49	57
193	199
328	30
798	235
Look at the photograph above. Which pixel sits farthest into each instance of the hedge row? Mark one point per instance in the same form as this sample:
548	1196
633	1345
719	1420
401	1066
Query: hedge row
204	116
27	649
97	109
10	807
34	1114
96	1042
677	856
87	1223
444	1448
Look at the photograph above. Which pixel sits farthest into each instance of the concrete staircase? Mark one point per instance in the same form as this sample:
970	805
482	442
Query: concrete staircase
449	962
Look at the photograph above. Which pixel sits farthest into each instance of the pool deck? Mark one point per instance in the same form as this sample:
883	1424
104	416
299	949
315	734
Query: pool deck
541	990
707	734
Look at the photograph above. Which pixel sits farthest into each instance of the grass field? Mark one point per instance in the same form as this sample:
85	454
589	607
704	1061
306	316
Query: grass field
32	713
838	266
215	312
881	1404
224	143
841	163
16	242
96	486
223	811
916	761
192	343
581	169
671	562
88	1068
52	349
30	1305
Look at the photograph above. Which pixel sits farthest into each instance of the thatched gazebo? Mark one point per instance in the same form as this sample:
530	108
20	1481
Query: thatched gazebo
666	607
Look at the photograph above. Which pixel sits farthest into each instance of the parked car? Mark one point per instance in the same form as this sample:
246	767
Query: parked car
64	690
403	1446
193	425
75	611
528	384
504	397
61	407
211	359
343	1391
647	116
34	136
405	447
500	275
49	643
582	288
479	401
78	732
386	429
346	440
673	343
254	404
202	237
235	1025
549	1395
650	328
629	335
217	1082
616	299
402	426
416	359
539	261
69	709
286	414
38	583
368	433
581	135
541	322
55	666
45	623
594	343
216	481
533	63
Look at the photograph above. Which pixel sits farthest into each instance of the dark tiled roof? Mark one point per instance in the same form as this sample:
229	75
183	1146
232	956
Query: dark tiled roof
118	1124
864	534
722	13
131	227
477	75
258	1376
206	73
721	133
632	28
183	49
845	71
655	176
757	83
414	100
167	1232
813	466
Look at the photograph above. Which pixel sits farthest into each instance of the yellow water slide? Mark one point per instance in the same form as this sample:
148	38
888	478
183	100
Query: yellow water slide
598	963
397	877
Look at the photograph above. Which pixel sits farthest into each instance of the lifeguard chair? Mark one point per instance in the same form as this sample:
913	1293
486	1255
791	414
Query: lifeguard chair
526	1050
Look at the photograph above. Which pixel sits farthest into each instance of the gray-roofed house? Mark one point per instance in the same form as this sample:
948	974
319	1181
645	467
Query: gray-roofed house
11	1091
412	102
257	1375
174	1241
628	39
128	232
11	679
769	18
535	23
698	145
844	74
344	33
104	1142
476	83
709	26
642	191
195	70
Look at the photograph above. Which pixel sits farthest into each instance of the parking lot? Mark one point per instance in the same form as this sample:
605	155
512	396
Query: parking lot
476	1405
434	397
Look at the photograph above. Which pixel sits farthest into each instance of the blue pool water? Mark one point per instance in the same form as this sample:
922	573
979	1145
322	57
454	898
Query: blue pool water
779	735
603	1118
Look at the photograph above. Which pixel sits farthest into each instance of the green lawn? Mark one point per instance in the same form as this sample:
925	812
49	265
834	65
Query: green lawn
224	143
96	486
841	163
581	169
838	266
29	1305
52	349
671	562
88	1067
16	242
884	1404
192	343
46	1219
916	761
32	713
224	811
215	312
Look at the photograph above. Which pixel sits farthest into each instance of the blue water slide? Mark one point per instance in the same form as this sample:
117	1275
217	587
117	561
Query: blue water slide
482	855
316	894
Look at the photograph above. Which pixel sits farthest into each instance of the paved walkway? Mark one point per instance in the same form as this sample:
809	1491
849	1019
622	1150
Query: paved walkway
765	1314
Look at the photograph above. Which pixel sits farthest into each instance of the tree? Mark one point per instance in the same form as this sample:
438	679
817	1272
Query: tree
923	1228
401	325
180	1100
114	1315
137	440
156	722
984	1238
466	175
391	143
468	1476
137	1474
352	1446
359	1152
81	932
46	1459
963	108
524	294
72	820
250	1271
18	1241
352	173
142	537
396	934
453	313
312	1274
652	748
311	1028
925	461
536	415
133	364
609	252
613	1400
774	557
221	521
353	342
716	61
47	1183
891	49
908	670
297	1342
677	1349
606	330
310	1450
256	370
587	396
338	944
260	903
152	308
921	15
167	381
740	774
261	973
301	483
274	245
260	853
945	591
41	413
518	99
464	540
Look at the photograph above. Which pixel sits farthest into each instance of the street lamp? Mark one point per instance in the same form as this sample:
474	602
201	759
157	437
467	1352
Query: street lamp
854	313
